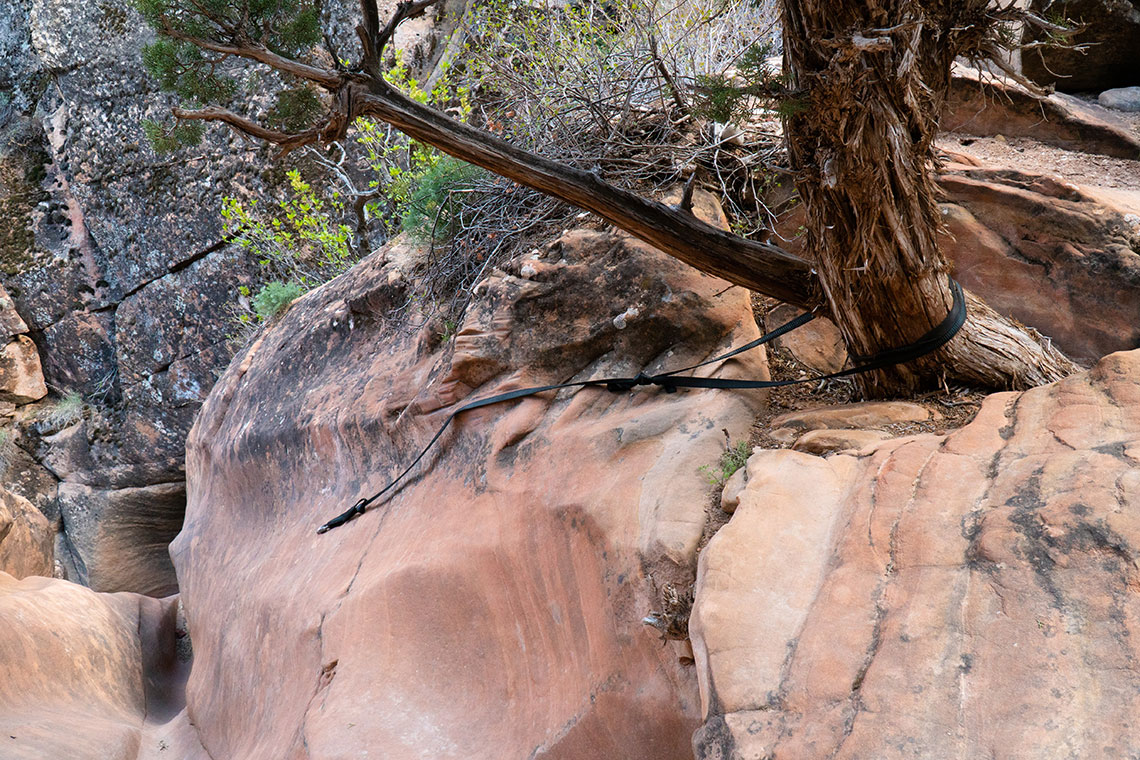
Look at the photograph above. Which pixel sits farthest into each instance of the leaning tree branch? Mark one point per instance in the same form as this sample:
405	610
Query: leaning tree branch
287	142
330	80
762	267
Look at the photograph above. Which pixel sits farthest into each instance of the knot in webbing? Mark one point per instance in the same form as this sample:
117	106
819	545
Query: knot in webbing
625	384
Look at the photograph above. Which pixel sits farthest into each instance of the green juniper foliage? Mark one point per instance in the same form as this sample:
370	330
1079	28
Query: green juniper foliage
167	139
275	297
202	76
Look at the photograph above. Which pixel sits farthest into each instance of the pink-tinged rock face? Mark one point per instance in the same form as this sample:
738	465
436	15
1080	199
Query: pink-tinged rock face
26	537
967	595
21	376
90	676
492	607
1000	107
1062	259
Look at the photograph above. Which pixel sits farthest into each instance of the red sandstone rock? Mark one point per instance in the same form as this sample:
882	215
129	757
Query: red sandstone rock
10	321
90	676
1057	257
25	538
21	377
830	441
1001	107
1060	258
818	344
966	595
867	414
491	607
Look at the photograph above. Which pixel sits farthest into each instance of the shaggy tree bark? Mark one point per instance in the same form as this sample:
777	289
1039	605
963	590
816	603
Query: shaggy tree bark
870	77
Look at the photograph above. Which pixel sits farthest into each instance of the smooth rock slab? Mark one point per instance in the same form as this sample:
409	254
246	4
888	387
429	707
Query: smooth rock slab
90	676
829	441
966	595
867	414
1121	98
491	607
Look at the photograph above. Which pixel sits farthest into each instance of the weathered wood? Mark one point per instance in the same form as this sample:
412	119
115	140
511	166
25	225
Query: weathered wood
762	267
873	77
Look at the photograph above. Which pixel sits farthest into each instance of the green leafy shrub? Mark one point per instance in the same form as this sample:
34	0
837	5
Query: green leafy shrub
275	297
434	207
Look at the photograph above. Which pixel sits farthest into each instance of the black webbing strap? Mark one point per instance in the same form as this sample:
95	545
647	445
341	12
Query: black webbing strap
670	381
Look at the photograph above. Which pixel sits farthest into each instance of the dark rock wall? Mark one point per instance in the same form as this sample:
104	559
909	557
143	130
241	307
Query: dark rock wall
1112	29
115	258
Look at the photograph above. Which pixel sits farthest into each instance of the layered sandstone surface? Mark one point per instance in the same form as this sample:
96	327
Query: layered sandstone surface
492	607
965	595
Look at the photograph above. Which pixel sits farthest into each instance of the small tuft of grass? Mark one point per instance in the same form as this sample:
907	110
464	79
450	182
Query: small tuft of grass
63	413
731	459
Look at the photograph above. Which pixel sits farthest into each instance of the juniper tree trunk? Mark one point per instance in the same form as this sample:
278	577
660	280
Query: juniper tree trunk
871	77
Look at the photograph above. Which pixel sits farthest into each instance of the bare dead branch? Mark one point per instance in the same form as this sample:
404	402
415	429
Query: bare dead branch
759	266
686	203
287	142
330	80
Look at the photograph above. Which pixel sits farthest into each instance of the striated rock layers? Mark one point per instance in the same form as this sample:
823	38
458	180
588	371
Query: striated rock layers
966	595
492	607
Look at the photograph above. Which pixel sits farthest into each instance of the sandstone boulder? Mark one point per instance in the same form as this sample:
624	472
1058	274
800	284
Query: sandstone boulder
21	378
1121	98
867	414
1063	259
91	676
830	441
26	538
991	105
965	595
491	607
10	321
117	539
818	344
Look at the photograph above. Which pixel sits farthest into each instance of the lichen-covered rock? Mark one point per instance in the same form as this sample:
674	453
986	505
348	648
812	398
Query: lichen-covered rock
26	538
961	595
113	256
492	606
91	676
